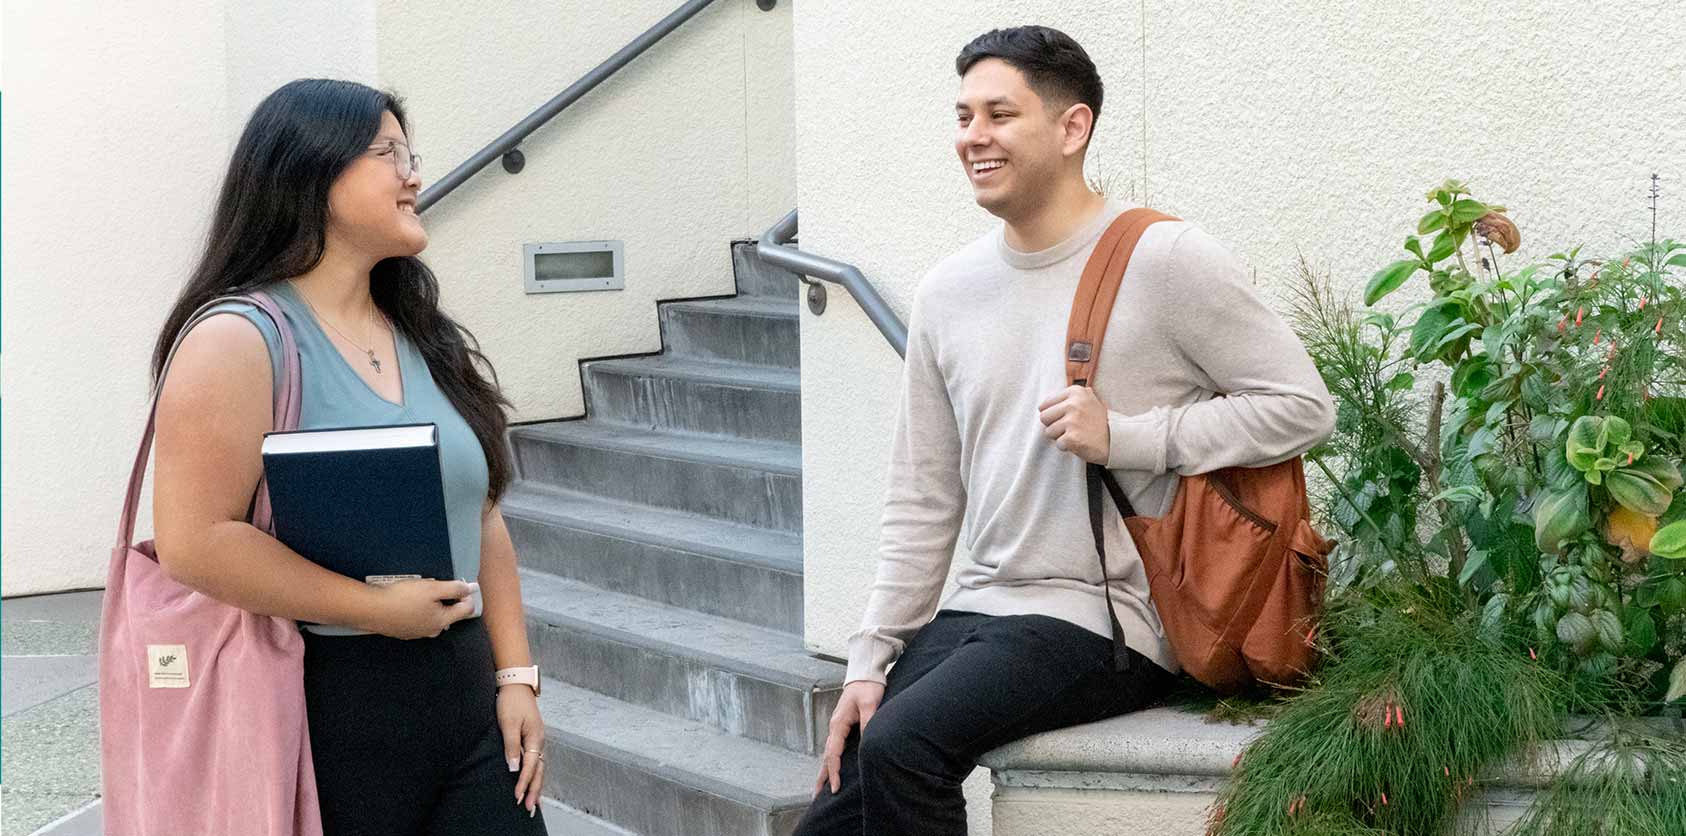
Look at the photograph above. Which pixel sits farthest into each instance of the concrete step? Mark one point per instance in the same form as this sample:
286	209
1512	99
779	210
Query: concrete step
761	331
758	278
735	571
673	392
658	775
741	679
562	820
754	483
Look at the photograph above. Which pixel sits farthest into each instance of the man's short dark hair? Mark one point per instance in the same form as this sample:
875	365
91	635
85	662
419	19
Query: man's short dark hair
1055	66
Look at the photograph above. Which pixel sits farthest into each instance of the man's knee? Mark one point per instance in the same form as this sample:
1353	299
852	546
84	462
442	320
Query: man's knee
888	744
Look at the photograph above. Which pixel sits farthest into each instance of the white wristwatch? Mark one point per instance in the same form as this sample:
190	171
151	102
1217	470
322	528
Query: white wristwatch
528	676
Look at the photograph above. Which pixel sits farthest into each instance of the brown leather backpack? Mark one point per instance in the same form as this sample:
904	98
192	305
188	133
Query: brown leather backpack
1235	568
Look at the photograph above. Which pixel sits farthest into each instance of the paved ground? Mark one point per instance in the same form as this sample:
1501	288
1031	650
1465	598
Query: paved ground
49	743
49	715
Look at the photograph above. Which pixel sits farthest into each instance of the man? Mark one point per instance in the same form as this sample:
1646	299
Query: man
991	445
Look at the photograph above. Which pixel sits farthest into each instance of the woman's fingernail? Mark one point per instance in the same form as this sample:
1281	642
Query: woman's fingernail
514	765
532	811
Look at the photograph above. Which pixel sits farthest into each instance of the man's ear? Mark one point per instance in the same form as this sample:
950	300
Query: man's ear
1076	123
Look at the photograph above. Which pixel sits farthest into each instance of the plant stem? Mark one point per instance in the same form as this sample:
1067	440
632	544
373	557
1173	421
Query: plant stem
1362	514
1429	460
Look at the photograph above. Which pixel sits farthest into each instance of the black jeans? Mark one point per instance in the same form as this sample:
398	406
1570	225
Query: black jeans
964	685
405	736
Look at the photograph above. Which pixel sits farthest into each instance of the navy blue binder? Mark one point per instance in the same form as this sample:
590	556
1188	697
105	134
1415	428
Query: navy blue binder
366	502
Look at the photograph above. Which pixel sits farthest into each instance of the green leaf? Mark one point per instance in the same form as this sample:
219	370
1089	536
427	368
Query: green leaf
1545	427
1637	491
1671	595
1472	375
1477	560
1560	515
1467	211
1403	380
1641	631
1425	334
1493	614
1585	443
1461	493
1677	261
1560	475
1388	279
1676	682
1670	541
1576	630
1443	195
1496	412
1414	246
1457	333
1609	629
1645	596
1660	469
1432	221
1617	431
1444	246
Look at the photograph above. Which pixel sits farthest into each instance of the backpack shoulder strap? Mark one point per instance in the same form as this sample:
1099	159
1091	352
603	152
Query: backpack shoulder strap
1091	308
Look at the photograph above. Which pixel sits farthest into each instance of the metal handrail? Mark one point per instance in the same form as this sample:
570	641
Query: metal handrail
772	250
506	144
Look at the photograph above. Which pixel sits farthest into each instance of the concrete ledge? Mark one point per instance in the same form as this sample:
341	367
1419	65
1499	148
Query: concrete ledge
1158	772
1158	741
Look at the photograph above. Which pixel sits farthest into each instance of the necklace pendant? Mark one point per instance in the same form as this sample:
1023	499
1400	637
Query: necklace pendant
374	362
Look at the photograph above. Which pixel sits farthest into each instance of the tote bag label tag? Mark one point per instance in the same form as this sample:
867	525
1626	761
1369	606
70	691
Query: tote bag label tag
167	665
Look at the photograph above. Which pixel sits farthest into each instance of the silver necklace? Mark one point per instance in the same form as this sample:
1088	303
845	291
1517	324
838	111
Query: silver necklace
373	360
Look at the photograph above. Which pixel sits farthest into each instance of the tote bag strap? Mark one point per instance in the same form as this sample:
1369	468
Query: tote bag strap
286	416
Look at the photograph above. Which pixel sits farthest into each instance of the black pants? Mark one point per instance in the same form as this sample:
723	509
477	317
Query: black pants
964	685
405	736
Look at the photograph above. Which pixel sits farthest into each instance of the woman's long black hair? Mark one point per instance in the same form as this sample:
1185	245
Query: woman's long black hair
271	224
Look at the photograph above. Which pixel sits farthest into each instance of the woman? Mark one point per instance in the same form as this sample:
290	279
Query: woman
409	732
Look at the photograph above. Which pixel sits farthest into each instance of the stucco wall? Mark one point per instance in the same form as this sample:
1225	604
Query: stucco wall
118	121
684	150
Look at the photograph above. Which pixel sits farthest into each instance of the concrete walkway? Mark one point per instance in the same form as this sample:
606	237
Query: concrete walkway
49	715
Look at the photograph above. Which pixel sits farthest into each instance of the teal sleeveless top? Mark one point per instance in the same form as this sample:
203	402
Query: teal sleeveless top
335	396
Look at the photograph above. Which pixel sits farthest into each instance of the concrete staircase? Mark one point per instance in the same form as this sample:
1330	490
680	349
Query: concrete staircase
661	549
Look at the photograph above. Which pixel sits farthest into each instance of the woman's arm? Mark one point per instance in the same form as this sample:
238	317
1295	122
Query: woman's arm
500	589
506	624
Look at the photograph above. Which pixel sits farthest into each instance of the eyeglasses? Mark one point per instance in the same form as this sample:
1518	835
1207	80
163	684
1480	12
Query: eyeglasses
406	163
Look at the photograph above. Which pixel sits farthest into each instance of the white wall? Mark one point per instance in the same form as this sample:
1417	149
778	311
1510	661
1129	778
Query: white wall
118	122
686	149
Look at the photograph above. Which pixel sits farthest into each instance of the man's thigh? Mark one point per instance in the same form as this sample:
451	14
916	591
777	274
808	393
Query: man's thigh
1007	677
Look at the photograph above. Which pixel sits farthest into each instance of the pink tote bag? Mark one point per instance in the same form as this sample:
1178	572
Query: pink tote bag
202	719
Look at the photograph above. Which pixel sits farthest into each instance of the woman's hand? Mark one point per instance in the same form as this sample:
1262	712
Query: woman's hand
523	741
419	609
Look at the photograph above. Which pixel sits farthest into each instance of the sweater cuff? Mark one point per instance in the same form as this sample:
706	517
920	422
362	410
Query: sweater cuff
1137	441
869	658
